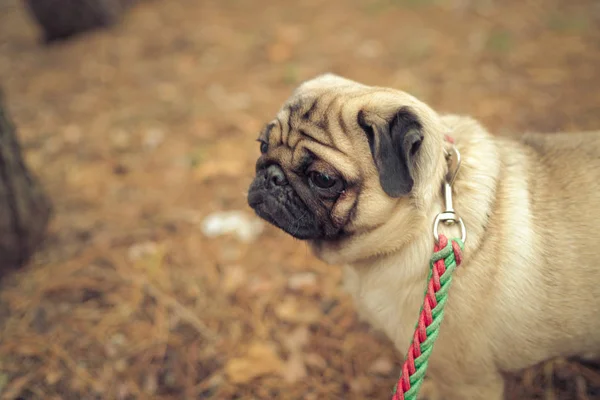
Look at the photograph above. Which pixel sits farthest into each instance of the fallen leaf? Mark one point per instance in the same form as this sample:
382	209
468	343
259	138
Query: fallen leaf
53	376
260	285
260	360
229	252
315	360
290	311
295	366
361	384
233	279
382	366
120	139
303	281
297	340
141	250
294	369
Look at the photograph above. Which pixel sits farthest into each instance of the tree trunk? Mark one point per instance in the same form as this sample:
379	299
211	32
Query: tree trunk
24	207
61	19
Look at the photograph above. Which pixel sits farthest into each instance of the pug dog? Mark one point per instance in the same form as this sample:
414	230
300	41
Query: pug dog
357	172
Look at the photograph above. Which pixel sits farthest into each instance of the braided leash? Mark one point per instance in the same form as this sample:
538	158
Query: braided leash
445	259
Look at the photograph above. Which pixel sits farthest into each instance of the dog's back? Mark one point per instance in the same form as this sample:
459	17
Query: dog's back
563	181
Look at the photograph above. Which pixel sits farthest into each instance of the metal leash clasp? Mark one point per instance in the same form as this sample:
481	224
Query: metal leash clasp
448	216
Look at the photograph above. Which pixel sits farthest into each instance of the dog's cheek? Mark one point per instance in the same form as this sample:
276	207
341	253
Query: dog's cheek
303	199
342	210
306	196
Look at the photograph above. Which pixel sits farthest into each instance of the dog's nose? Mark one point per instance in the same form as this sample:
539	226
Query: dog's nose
275	176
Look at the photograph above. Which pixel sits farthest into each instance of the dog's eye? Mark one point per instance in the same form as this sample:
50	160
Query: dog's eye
264	147
321	180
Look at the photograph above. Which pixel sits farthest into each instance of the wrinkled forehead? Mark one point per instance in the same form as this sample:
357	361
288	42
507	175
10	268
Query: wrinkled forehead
317	94
357	95
315	100
327	83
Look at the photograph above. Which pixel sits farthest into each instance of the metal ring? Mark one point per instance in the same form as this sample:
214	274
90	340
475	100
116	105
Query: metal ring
441	217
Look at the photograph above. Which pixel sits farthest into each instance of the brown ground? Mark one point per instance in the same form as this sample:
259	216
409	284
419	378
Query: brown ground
141	131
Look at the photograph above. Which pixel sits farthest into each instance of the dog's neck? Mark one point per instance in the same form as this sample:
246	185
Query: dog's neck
407	237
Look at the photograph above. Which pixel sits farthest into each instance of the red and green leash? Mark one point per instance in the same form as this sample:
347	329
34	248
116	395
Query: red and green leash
446	257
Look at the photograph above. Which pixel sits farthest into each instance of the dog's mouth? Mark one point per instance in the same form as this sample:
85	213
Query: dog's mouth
292	218
256	198
258	202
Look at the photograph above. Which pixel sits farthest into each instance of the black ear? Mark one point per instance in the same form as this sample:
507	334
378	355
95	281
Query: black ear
394	145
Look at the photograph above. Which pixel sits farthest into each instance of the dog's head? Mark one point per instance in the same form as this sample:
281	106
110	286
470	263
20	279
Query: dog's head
344	163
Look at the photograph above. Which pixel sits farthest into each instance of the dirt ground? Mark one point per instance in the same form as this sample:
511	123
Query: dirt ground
142	131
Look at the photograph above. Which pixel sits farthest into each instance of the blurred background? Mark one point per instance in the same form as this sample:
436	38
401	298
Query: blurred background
154	280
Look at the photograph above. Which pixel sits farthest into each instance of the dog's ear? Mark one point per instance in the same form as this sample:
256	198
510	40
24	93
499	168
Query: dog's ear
394	145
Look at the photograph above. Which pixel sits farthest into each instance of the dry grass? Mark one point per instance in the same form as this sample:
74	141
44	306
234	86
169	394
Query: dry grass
141	131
